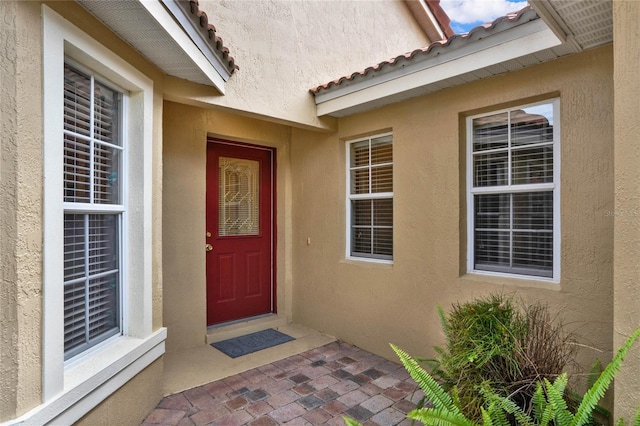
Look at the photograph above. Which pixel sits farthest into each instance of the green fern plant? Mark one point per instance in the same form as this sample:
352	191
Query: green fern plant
549	400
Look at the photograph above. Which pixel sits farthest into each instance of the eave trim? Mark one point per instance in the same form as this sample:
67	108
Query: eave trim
506	45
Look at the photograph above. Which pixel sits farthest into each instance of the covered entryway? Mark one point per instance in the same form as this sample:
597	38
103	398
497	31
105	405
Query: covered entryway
240	220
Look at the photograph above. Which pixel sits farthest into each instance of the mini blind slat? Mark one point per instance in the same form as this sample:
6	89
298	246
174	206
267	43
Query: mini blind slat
97	318
381	150
105	114
77	101
490	169
74	247
77	169
514	230
74	315
530	166
533	250
383	241
529	129
361	212
360	181
533	211
103	243
102	305
360	240
490	132
383	212
382	179
359	154
492	248
76	121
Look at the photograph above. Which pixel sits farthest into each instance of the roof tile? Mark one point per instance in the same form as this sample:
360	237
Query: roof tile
476	33
200	17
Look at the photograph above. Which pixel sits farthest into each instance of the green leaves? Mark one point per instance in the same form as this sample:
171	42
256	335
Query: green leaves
432	390
596	392
549	402
350	422
439	417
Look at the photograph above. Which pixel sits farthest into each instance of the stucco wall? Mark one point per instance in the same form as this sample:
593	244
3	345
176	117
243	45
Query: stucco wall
20	192
21	187
8	288
133	401
284	48
370	304
627	203
186	129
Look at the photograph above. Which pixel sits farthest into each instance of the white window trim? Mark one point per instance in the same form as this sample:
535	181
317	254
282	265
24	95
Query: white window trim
350	197
519	188
70	391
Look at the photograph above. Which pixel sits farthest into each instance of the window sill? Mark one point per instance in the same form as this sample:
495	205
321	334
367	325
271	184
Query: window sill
510	280
90	379
368	261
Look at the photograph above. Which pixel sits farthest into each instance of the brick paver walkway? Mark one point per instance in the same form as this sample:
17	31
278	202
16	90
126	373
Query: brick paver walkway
316	387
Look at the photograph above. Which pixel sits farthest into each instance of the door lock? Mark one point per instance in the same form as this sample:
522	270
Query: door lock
208	234
208	247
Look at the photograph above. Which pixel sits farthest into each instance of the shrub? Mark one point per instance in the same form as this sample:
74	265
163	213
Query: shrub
549	400
510	346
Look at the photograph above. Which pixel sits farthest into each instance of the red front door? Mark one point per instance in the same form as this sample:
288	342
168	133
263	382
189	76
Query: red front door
240	231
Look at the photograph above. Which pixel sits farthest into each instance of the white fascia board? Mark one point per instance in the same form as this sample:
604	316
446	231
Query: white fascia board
432	18
501	47
175	31
196	36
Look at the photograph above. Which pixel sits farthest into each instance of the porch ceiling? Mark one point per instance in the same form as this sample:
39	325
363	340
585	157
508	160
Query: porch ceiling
508	44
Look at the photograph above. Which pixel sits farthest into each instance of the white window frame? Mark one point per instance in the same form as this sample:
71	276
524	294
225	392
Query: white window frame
350	197
71	389
510	189
120	208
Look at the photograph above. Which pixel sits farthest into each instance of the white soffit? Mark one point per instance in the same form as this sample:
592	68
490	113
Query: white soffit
584	23
154	31
499	52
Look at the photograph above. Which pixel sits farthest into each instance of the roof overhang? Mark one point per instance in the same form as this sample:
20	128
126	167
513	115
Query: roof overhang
508	44
166	34
446	67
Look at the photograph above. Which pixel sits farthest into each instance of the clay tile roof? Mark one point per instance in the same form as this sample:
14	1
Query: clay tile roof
476	33
201	18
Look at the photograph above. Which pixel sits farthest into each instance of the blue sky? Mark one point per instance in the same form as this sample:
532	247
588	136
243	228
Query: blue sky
466	14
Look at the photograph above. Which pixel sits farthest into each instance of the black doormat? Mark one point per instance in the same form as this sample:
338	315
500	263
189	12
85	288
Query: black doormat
253	342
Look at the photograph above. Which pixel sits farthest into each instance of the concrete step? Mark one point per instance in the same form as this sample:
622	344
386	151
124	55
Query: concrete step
199	365
242	327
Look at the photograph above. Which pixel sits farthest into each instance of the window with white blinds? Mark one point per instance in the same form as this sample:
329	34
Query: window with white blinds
93	209
513	194
370	198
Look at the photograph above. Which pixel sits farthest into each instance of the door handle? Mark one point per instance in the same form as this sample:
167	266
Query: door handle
208	247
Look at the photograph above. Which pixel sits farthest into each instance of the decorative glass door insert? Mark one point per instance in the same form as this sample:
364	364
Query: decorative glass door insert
239	197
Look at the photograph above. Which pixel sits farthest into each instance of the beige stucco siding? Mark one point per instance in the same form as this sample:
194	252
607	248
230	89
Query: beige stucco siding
20	192
370	304
21	189
284	48
627	203
133	401
185	138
